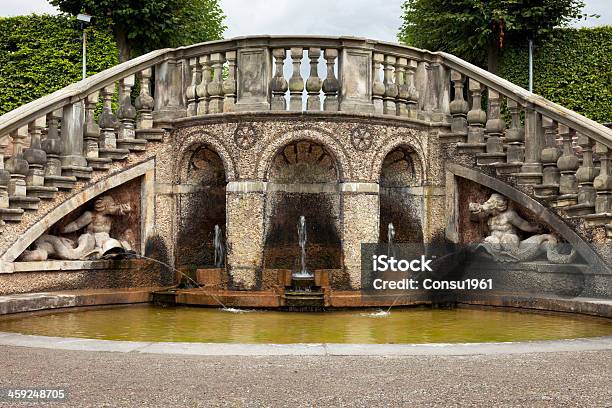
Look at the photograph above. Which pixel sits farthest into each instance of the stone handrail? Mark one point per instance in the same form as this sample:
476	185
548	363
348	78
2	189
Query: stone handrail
555	150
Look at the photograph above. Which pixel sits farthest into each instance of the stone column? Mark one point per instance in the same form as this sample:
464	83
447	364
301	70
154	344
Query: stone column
549	189
73	161
296	83
313	83
229	84
144	107
52	145
584	176
603	182
126	137
168	92
515	137
201	89
356	78
440	93
568	164
413	93
360	224
331	86
403	91
378	87
494	130
531	171
476	119
245	232
391	90
19	168
5	176
190	93
254	73
215	87
279	83
37	158
459	106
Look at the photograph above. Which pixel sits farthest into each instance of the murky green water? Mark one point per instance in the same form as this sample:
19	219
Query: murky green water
188	324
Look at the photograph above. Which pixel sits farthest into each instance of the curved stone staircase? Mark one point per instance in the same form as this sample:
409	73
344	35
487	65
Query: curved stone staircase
57	145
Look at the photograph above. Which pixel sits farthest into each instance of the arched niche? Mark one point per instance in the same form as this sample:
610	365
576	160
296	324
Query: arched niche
303	180
200	205
401	196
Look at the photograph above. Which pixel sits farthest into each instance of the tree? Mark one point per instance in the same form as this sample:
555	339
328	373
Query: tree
476	29
140	26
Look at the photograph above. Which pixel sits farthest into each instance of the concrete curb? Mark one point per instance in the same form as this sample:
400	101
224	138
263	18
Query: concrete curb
314	349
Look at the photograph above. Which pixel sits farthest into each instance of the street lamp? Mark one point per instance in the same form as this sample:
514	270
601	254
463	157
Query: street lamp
84	19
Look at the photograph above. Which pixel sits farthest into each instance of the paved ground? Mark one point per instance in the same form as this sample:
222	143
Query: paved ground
109	379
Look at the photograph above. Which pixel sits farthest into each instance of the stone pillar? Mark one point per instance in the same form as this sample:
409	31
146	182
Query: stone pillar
531	171
19	168
603	182
413	93
126	137
190	92
331	86
296	83
144	107
279	83
52	145
245	232
476	119
73	161
314	83
391	89
360	224
169	93
549	189
494	130
459	107
584	176
201	89
515	137
37	158
403	90
254	73
356	78
378	87
109	125
5	176
215	87
440	93
568	164
229	84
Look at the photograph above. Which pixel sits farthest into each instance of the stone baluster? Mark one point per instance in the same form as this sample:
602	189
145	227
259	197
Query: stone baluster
403	91
584	176
109	124
37	158
202	88
568	164
229	85
603	182
549	189
126	137
5	177
52	145
378	87
459	107
331	85
215	87
413	93
391	91
531	171
476	118
91	135
494	131
279	84
314	83
144	107
296	83
190	92
19	168
515	137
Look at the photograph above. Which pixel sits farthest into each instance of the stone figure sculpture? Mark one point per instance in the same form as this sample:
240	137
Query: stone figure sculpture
504	243
92	244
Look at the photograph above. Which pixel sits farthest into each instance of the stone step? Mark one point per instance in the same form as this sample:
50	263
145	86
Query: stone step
99	163
42	192
11	214
61	182
24	202
133	145
154	134
79	172
114	154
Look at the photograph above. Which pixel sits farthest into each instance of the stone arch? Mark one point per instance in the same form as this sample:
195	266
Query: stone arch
330	142
546	216
407	139
195	137
72	203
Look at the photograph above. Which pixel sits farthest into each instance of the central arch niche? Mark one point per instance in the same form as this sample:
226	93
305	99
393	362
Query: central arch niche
401	198
303	180
201	206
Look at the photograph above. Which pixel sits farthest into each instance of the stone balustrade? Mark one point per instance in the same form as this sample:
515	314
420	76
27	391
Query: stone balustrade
51	143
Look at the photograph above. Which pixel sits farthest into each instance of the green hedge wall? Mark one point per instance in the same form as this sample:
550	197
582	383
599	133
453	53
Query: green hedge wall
573	69
40	54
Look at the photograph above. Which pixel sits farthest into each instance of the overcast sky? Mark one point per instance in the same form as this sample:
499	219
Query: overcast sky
376	19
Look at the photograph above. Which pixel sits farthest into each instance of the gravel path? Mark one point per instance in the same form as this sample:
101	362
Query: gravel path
104	379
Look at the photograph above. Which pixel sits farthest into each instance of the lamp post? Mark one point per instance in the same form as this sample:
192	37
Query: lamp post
84	19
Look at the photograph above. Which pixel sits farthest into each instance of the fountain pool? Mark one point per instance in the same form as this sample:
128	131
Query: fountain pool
414	325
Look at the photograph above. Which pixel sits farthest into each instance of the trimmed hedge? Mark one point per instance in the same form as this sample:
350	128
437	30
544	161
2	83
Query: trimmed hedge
573	69
40	54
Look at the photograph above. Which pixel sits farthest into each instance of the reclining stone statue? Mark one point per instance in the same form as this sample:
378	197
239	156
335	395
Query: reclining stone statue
92	244
504	243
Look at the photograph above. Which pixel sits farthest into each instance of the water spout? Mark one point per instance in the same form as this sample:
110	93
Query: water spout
390	237
219	248
302	239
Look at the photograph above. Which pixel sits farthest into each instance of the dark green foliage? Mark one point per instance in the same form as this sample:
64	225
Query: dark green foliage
475	29
572	68
41	53
141	26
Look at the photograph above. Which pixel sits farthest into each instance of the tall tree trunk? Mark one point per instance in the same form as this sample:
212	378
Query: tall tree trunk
125	51
492	56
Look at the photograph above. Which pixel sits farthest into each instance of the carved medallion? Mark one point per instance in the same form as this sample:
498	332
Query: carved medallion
245	136
361	139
